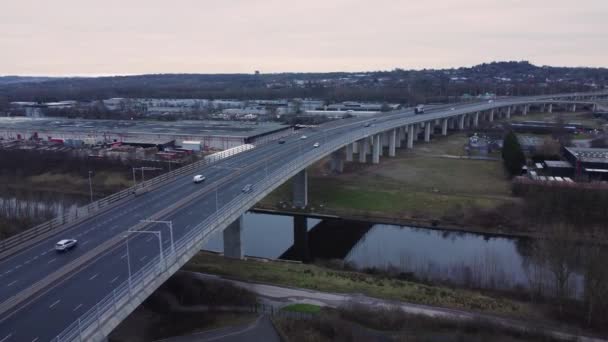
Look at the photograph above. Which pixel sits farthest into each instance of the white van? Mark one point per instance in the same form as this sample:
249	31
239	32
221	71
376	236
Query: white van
198	178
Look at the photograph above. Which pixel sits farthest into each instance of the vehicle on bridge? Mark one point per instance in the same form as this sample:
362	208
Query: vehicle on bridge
419	109
65	244
281	141
315	145
199	178
247	188
303	137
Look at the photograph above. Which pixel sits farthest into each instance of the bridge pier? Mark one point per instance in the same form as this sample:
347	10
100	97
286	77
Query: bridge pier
300	238
427	131
573	107
410	136
491	119
363	150
336	162
509	112
451	123
377	148
461	122
550	107
525	110
476	119
300	189
348	152
392	142
399	137
444	126
415	132
232	239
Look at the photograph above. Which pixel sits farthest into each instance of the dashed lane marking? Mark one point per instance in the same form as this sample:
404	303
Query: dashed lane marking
77	307
12	283
50	261
93	277
6	337
113	280
57	302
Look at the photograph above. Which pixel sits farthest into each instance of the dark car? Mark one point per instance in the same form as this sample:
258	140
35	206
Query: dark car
281	141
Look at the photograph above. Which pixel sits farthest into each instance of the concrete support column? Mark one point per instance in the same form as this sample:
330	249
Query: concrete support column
509	112
336	162
427	131
574	107
383	142
300	238
232	239
348	152
410	136
491	119
300	189
399	137
377	148
392	142
525	110
356	147
415	132
461	122
444	126
550	107
363	150
476	119
452	123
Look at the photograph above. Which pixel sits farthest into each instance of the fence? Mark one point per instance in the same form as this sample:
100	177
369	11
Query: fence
79	214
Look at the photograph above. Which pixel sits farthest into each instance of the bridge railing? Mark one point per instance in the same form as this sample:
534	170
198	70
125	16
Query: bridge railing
190	243
81	213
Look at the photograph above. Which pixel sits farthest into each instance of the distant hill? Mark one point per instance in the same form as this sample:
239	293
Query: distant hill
22	79
502	78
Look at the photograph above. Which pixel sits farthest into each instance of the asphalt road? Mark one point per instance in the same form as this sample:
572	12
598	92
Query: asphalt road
46	315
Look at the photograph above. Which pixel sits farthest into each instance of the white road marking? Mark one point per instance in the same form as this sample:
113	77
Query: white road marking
84	243
34	340
35	257
113	280
123	256
57	302
150	238
113	227
17	267
12	283
43	253
186	227
77	307
50	261
143	258
6	337
93	277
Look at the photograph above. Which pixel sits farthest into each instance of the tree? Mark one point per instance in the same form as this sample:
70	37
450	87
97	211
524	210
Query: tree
512	154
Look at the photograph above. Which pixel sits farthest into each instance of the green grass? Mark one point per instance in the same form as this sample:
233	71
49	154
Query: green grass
329	280
304	308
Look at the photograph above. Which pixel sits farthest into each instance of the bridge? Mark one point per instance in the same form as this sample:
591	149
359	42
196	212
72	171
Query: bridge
132	241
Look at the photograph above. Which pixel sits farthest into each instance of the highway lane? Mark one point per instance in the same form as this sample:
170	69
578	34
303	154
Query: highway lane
32	264
343	126
98	279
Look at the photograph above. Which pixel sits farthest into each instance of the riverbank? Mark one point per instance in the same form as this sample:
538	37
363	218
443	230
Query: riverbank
313	284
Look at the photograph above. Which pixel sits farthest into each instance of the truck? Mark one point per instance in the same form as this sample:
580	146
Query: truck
419	109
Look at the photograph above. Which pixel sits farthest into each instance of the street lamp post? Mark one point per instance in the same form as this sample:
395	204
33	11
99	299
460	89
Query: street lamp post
143	168
128	261
170	225
160	242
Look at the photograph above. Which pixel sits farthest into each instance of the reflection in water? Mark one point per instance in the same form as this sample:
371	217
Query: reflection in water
474	260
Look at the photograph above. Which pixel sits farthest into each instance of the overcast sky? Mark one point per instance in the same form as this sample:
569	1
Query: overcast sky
95	37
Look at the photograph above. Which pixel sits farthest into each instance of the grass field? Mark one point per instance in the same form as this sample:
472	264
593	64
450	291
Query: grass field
304	308
324	279
568	117
417	183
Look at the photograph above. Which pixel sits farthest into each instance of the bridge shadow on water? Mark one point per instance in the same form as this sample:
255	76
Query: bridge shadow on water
329	239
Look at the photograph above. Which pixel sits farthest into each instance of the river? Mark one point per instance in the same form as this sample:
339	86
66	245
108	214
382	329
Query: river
460	258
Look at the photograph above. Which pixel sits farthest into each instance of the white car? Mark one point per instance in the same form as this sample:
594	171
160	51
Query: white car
303	137
65	244
452	108
315	145
247	188
199	178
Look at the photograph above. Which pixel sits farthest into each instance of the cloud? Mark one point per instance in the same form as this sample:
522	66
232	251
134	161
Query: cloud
136	36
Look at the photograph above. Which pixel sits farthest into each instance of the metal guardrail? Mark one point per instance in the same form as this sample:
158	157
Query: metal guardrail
94	318
81	213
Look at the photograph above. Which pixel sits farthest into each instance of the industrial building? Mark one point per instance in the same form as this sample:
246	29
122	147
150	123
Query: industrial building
589	163
213	135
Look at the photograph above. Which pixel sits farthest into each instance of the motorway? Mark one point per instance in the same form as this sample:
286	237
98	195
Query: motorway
45	315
